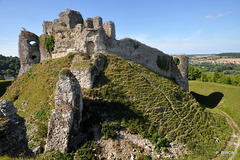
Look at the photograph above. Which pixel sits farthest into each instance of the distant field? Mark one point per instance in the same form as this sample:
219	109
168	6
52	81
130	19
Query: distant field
230	60
231	100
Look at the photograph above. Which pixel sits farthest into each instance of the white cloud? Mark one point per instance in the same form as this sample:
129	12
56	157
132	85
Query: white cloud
218	15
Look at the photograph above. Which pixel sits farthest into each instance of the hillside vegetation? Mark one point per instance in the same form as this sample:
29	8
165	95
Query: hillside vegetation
229	103
9	66
126	95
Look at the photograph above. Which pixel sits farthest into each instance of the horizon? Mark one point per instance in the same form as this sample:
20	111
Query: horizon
199	27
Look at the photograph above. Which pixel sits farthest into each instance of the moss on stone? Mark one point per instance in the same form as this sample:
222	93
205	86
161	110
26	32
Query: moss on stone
66	72
162	63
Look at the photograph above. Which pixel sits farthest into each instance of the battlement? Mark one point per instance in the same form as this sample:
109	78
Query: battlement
74	34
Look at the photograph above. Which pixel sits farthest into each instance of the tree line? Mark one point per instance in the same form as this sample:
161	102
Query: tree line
9	66
195	73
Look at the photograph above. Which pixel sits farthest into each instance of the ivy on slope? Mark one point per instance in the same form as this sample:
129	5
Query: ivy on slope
151	104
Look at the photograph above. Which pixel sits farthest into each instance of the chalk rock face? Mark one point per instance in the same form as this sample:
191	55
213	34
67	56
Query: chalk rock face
28	50
12	131
66	117
86	69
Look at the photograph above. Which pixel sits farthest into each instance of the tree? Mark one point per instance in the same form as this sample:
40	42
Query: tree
193	72
216	76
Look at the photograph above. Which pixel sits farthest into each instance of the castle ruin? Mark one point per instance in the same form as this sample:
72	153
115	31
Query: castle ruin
73	34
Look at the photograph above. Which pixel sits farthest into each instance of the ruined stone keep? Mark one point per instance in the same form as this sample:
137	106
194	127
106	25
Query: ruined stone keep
74	34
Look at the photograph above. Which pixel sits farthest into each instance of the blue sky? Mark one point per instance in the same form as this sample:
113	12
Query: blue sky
172	26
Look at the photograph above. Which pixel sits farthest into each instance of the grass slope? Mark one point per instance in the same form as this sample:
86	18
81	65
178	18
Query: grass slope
126	94
229	103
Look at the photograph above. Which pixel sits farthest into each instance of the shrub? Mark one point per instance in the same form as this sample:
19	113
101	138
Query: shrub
49	43
57	155
42	130
66	72
108	129
176	60
144	157
162	63
87	151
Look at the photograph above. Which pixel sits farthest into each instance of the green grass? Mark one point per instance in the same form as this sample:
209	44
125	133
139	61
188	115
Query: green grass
128	94
33	94
4	85
147	103
230	101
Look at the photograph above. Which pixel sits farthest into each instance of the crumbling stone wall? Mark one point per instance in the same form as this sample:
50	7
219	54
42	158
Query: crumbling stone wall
149	57
86	69
73	34
13	140
66	117
28	50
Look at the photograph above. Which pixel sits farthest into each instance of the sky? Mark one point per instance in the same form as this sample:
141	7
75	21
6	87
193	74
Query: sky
172	26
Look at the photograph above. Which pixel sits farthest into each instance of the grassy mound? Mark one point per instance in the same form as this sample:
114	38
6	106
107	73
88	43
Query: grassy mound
126	95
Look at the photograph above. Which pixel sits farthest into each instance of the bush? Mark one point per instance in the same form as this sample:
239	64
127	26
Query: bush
108	129
162	63
176	60
66	72
42	130
56	155
144	157
87	151
49	43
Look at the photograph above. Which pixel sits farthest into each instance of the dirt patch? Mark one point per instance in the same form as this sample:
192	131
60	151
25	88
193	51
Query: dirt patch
235	135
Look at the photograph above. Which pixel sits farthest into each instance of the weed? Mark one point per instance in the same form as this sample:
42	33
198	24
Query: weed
49	43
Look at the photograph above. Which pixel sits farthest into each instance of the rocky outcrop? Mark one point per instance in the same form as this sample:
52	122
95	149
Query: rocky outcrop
13	140
66	117
86	69
28	50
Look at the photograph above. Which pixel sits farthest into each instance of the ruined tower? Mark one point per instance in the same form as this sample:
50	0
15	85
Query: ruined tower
73	34
28	50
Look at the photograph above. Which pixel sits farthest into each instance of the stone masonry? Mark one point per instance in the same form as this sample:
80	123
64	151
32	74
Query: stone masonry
75	35
85	68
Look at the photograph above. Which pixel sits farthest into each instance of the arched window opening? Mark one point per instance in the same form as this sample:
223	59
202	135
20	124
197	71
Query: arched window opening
32	42
33	57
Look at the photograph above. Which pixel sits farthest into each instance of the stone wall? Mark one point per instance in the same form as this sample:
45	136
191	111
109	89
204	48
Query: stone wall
85	69
73	34
149	57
